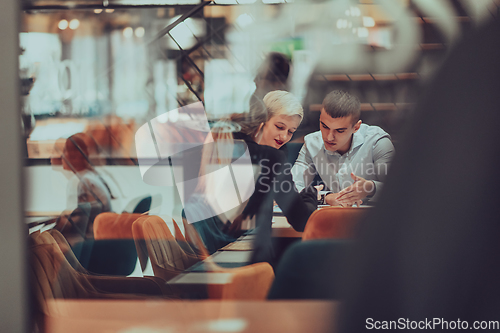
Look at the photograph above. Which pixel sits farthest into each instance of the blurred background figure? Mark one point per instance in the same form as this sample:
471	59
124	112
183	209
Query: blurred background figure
430	250
272	74
112	136
93	195
27	117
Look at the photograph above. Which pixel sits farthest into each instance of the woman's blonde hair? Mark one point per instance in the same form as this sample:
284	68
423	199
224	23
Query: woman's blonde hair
250	122
281	102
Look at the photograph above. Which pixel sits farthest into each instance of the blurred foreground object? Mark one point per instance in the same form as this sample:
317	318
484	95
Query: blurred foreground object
430	248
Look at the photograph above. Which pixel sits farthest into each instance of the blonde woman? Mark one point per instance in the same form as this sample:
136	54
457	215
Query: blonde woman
274	182
284	115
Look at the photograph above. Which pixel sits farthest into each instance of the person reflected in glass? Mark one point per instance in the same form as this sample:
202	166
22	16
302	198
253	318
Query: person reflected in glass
93	195
272	74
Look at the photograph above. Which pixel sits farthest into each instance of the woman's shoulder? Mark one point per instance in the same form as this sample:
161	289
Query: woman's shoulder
260	152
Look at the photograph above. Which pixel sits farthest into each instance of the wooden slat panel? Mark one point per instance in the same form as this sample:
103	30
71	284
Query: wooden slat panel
385	77
360	77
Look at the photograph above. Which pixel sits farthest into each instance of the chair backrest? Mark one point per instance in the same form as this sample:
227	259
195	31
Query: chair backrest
144	204
194	240
333	222
139	240
112	251
51	274
168	259
247	283
311	270
181	240
66	250
114	226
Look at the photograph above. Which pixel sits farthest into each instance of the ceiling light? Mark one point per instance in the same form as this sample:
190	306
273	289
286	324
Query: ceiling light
368	21
63	24
363	33
74	24
244	20
139	32
128	32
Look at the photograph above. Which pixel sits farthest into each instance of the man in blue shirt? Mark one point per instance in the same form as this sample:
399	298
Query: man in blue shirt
351	158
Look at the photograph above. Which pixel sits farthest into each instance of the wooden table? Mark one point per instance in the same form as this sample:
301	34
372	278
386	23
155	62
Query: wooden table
281	228
42	213
172	316
195	281
42	222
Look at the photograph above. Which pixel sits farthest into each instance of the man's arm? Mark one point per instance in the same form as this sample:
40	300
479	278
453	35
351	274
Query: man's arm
303	170
383	152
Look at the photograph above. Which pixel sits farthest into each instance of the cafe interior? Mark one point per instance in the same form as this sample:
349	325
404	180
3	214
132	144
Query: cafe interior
123	95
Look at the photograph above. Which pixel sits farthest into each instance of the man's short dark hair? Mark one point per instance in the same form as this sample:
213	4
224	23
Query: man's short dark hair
340	104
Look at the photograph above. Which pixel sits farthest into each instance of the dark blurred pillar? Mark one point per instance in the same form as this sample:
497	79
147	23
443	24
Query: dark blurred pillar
13	315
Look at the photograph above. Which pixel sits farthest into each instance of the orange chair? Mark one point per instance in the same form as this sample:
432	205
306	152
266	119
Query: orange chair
112	251
186	245
63	244
108	283
100	283
52	276
114	226
194	240
333	222
153	239
251	282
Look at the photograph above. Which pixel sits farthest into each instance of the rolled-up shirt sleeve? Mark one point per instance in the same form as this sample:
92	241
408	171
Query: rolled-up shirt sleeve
383	152
303	170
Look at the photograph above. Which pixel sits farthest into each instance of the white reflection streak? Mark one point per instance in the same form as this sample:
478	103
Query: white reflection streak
408	35
478	10
340	52
336	51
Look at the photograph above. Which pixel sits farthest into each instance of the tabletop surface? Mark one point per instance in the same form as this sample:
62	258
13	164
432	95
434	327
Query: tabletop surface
232	256
173	316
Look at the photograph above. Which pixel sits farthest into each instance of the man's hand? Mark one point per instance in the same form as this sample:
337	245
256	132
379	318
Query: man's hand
330	199
355	193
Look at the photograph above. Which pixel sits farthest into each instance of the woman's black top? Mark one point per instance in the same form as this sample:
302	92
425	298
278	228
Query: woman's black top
274	183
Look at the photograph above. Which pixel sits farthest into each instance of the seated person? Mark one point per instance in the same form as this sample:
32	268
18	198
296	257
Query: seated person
92	191
272	74
273	182
350	157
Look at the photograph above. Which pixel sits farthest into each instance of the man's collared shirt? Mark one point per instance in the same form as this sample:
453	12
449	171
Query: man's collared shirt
369	156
